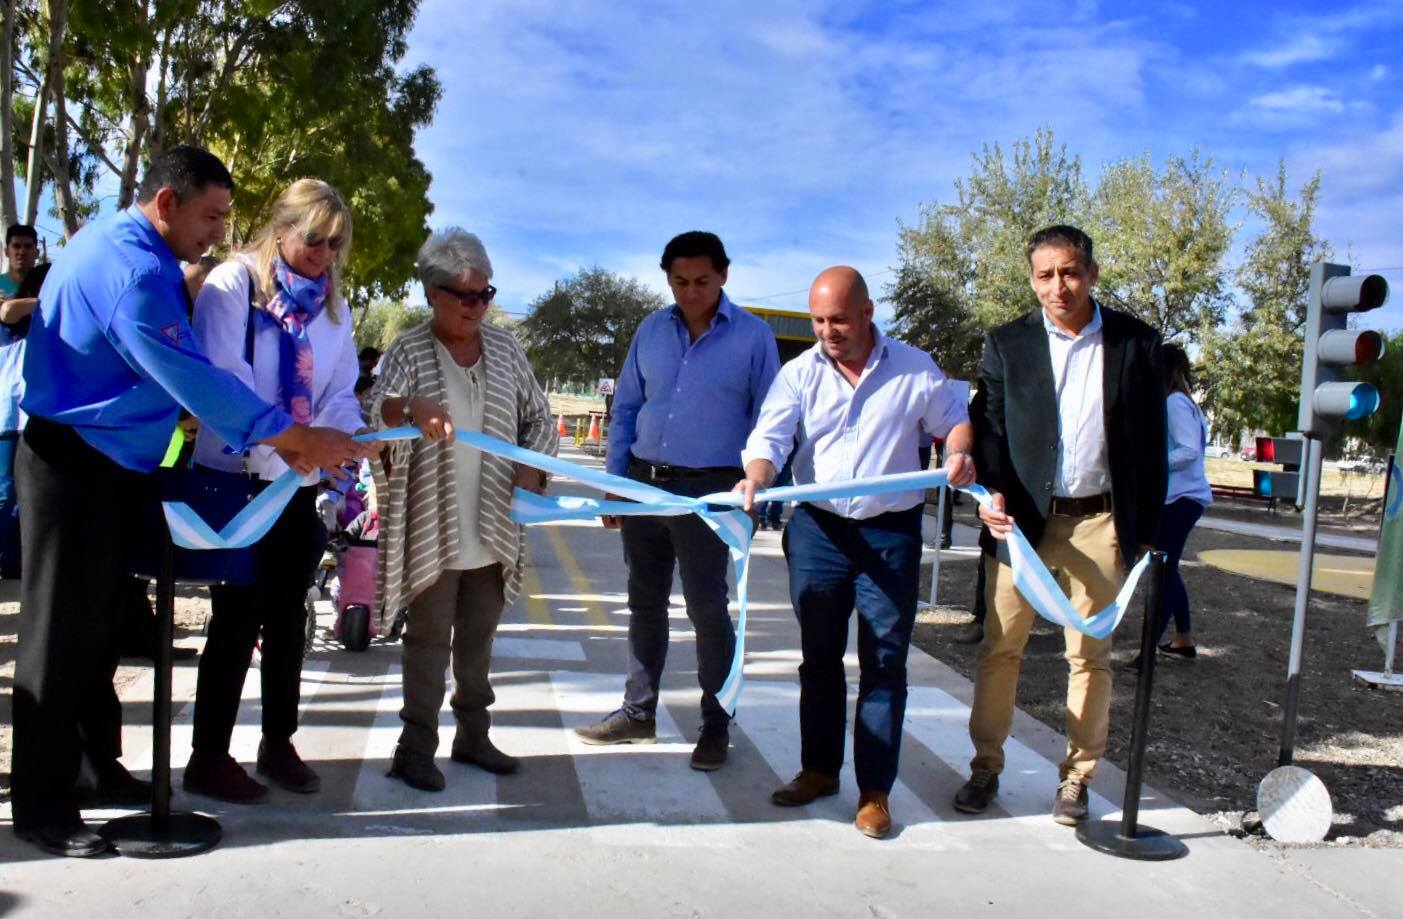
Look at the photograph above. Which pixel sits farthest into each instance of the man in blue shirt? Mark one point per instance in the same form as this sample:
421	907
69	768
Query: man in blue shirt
110	358
690	391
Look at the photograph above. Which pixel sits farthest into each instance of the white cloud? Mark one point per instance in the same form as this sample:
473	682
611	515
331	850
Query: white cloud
1297	50
1300	99
1378	72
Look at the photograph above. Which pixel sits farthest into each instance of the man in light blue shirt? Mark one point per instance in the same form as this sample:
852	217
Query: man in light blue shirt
109	359
21	252
689	393
860	404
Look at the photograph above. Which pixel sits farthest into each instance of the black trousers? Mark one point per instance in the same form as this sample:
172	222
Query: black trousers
275	604
76	522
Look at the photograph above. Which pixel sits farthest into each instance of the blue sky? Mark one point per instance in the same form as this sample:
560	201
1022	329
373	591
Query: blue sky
574	133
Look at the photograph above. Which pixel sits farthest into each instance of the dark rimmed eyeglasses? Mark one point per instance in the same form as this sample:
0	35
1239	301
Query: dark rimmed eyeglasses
312	240
470	297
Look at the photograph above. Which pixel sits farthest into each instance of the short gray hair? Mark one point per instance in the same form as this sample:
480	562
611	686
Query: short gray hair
450	253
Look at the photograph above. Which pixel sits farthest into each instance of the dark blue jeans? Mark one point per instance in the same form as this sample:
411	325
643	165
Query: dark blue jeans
1175	523
836	564
9	509
652	546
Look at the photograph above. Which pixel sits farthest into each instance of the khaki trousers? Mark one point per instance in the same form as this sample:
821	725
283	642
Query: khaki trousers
455	617
1084	556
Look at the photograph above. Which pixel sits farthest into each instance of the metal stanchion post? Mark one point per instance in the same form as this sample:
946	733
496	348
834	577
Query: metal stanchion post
162	833
1127	839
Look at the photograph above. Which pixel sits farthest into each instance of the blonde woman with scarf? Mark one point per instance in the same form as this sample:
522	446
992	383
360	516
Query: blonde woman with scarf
273	316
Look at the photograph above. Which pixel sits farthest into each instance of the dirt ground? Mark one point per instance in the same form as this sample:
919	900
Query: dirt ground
1216	721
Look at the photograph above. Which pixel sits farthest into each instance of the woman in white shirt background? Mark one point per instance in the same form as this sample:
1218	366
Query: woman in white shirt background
1189	493
273	315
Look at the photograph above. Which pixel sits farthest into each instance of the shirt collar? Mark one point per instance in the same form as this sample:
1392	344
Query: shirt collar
879	350
723	311
1091	328
158	243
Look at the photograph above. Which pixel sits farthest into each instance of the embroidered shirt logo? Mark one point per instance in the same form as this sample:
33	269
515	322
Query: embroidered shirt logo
172	332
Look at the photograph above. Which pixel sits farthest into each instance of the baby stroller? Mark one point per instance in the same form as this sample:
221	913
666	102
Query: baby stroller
355	596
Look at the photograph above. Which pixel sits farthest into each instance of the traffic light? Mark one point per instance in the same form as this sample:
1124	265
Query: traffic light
1285	485
1330	344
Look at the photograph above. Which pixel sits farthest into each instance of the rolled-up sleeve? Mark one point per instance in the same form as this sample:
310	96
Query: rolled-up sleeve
623	418
780	414
339	408
947	404
160	345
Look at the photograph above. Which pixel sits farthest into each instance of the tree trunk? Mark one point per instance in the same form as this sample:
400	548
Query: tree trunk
140	107
53	77
136	141
58	161
34	164
7	116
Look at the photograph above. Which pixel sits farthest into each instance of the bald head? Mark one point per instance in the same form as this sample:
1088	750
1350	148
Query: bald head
841	310
841	282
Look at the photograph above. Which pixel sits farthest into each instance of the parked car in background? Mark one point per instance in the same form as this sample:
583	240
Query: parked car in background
1218	451
1249	454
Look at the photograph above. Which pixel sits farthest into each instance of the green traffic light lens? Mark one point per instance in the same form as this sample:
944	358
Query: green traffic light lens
1363	401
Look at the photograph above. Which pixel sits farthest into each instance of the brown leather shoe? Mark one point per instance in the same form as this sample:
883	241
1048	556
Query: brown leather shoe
804	788
873	815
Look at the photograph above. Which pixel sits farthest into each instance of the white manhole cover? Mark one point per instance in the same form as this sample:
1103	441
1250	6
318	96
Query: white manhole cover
1294	805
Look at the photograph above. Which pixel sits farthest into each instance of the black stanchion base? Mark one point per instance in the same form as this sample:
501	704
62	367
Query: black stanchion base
1147	845
184	834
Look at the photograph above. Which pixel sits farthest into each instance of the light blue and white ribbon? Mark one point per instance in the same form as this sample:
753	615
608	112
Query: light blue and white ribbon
733	527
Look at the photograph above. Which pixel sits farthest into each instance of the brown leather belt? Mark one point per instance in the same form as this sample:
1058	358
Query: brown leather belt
1081	507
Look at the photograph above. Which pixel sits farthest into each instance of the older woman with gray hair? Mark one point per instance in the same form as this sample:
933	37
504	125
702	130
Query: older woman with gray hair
458	560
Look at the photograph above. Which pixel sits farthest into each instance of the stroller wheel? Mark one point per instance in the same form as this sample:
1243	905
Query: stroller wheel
355	627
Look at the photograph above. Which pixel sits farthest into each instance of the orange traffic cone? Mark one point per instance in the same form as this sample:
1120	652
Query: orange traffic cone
593	434
560	425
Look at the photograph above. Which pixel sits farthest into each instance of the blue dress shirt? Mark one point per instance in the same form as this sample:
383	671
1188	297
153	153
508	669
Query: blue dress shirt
691	403
110	351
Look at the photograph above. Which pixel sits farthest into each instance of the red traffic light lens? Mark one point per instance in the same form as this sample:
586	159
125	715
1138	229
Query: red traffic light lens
1266	450
1368	347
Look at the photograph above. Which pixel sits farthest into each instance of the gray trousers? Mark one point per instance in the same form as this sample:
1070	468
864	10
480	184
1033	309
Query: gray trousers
455	618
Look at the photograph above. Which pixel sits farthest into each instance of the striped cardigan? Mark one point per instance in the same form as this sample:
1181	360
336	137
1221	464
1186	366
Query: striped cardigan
415	482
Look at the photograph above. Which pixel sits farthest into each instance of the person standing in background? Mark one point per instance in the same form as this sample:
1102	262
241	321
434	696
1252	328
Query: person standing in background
21	252
1189	493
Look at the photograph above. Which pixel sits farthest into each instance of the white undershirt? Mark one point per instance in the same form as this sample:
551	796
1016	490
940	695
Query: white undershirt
1078	363
464	388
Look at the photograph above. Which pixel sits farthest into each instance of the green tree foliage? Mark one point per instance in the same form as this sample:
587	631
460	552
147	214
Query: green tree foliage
1161	239
1251	369
932	317
972	251
382	321
1380	430
280	90
580	331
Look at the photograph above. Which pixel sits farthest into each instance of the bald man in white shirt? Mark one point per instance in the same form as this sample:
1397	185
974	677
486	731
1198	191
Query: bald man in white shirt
859	404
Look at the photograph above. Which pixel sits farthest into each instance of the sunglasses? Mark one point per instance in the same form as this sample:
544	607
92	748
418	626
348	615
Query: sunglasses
470	297
312	240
